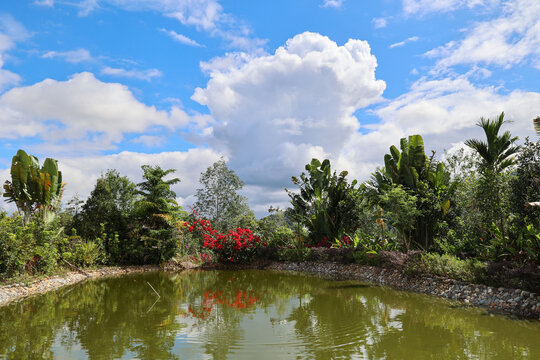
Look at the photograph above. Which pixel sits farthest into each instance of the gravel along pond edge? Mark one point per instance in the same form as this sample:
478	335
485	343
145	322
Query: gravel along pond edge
502	300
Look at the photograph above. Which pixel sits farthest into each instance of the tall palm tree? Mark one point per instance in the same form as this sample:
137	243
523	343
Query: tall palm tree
497	153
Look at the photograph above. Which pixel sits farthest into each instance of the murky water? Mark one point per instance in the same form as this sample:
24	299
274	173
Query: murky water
253	315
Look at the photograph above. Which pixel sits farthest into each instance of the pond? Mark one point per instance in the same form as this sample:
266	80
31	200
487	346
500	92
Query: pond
253	315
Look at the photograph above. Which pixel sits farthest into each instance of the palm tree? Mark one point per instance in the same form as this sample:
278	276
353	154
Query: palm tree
497	153
537	125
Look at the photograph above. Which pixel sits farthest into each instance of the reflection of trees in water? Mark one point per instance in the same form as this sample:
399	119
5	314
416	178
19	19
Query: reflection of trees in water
107	318
234	295
454	333
120	317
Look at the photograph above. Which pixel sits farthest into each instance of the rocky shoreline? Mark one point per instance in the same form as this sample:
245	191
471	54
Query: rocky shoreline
503	300
19	291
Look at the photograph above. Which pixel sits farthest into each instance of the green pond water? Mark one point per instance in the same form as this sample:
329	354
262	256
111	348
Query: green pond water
253	315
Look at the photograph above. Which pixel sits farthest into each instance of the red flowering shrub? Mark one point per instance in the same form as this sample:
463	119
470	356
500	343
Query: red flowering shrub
238	245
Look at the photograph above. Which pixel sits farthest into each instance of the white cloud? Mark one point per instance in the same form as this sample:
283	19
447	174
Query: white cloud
379	23
510	39
422	7
12	28
73	56
87	6
444	112
333	3
204	15
402	43
180	38
454	105
150	140
11	31
82	111
275	112
49	3
146	75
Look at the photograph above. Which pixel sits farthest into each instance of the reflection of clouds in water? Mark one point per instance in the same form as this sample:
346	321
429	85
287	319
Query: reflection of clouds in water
294	316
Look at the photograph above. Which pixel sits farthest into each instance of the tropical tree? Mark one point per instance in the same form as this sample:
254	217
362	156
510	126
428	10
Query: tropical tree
107	213
423	178
218	200
156	212
525	185
498	151
326	203
536	123
33	189
401	211
497	154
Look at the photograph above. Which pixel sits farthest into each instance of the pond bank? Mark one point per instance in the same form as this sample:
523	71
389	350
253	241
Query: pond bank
504	300
509	301
18	291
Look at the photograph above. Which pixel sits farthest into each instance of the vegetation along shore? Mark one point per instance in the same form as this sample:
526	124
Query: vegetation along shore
465	225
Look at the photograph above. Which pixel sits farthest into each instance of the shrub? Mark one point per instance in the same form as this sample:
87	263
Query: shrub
448	266
282	236
85	253
294	255
365	258
16	246
238	245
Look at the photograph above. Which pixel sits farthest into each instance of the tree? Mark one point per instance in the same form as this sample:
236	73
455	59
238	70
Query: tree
108	210
497	154
401	211
498	150
327	203
525	185
156	212
218	199
34	189
536	123
426	179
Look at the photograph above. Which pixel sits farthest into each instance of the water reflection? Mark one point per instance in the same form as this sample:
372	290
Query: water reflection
253	314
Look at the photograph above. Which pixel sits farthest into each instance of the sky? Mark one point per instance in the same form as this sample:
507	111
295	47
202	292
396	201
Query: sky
267	84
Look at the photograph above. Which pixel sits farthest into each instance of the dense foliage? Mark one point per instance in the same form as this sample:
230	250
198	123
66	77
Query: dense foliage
326	203
468	212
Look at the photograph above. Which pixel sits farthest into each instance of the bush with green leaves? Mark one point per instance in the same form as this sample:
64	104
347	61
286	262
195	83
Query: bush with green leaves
326	204
31	248
447	266
16	246
294	255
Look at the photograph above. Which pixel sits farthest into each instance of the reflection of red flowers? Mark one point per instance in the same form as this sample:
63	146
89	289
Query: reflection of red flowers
241	300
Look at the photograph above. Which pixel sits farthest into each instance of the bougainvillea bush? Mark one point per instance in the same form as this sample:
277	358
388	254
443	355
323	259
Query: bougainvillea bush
239	245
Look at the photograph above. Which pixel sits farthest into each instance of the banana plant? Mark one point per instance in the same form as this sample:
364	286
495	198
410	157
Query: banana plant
411	168
408	166
21	190
322	200
33	189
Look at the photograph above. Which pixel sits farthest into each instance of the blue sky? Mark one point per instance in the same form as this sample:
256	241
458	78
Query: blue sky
104	84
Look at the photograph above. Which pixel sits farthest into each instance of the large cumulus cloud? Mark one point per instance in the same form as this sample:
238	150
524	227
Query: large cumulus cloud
274	112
